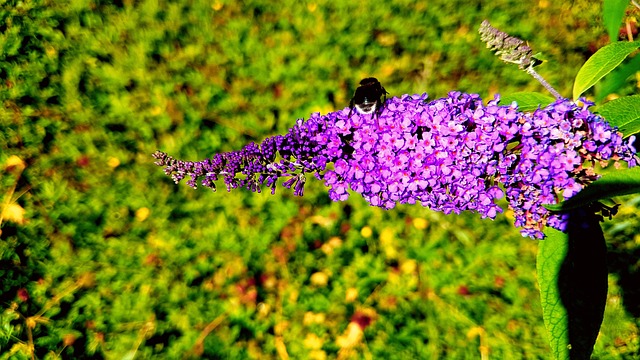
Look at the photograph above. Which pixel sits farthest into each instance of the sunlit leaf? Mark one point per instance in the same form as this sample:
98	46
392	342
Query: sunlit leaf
572	275
527	101
600	64
624	113
14	162
551	254
14	213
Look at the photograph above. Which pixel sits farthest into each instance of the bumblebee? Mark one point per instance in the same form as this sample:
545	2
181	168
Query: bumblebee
366	99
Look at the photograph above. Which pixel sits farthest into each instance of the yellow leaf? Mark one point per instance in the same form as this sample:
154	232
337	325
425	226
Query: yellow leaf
474	332
351	295
408	266
313	318
366	232
317	355
330	245
321	220
263	309
312	341
319	279
280	328
14	162
335	242
14	213
420	223
156	110
31	322
217	6
387	240
142	214
113	162
387	236
351	337
281	348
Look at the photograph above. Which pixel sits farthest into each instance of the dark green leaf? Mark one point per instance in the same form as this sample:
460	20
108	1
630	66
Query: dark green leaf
572	275
624	113
527	101
615	183
600	64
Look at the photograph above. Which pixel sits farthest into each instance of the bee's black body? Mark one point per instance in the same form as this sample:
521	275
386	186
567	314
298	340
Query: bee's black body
366	99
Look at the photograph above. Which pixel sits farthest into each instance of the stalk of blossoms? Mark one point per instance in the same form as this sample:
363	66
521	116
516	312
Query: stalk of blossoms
452	154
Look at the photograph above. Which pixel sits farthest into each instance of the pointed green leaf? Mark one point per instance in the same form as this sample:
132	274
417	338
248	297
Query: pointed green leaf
615	183
600	64
572	275
617	78
624	113
612	13
551	253
527	101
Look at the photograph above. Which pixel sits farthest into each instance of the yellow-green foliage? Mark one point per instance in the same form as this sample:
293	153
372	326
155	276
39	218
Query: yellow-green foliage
103	256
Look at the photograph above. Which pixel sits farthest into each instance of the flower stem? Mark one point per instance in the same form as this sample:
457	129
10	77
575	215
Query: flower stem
544	82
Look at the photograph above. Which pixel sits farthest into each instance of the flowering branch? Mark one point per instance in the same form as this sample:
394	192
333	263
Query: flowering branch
451	154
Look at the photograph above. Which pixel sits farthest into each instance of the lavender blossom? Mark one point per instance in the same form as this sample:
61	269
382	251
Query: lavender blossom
451	155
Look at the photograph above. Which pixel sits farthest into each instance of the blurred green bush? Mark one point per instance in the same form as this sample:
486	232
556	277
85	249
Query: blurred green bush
111	260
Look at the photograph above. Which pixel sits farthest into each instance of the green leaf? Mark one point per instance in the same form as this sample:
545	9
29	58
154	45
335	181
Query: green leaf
617	78
615	183
527	101
551	253
624	113
572	275
612	13
600	64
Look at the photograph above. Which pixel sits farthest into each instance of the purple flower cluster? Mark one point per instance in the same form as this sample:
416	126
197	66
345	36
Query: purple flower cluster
437	153
452	154
292	155
557	149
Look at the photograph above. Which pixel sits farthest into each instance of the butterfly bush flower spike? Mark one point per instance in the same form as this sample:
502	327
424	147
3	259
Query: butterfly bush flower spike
452	154
515	51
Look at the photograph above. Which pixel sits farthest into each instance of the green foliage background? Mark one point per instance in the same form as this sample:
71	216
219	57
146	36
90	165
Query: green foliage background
113	260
